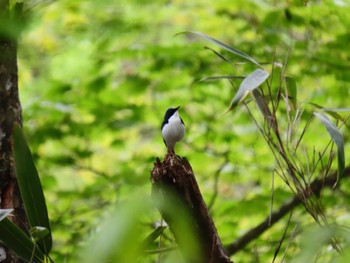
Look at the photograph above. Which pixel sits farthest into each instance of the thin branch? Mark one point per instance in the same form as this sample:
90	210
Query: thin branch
316	187
216	181
283	237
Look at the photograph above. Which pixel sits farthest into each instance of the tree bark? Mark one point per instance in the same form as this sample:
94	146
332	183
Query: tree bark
10	113
179	200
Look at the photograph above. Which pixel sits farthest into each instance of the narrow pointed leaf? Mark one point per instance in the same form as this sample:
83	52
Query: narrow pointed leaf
224	46
30	187
251	82
153	236
337	138
332	113
264	109
291	86
337	109
4	213
220	56
16	240
220	78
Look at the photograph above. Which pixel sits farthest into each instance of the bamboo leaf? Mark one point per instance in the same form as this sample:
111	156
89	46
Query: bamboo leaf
291	87
219	78
153	236
224	46
336	109
332	112
251	82
30	187
264	109
15	239
337	137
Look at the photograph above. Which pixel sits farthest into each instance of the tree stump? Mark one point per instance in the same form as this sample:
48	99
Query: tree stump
180	202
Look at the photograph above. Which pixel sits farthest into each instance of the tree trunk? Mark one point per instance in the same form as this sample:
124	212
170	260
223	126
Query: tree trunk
10	113
179	200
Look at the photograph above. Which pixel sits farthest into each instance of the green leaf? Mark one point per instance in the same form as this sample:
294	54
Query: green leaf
15	239
332	112
30	187
153	236
292	90
251	82
264	109
337	109
38	232
118	237
224	46
337	138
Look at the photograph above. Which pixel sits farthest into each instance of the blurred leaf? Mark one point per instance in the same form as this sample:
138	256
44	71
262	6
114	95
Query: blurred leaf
4	213
334	114
337	138
19	242
224	46
119	238
336	109
316	241
30	187
251	82
178	216
153	236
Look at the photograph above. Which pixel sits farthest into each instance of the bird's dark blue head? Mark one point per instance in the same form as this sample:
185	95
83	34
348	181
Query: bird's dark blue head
168	114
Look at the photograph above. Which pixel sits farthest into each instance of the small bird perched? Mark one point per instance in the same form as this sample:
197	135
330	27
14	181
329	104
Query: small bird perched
173	128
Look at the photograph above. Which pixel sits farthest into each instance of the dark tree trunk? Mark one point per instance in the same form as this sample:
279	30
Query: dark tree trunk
179	200
10	112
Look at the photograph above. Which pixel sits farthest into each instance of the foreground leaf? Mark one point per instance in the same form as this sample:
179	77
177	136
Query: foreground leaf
38	232
337	137
30	188
153	236
19	242
251	82
118	239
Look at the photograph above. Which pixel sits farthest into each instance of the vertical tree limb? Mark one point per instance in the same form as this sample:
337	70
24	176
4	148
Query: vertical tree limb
10	112
179	200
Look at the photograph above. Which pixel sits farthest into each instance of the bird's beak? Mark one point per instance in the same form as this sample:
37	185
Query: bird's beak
177	108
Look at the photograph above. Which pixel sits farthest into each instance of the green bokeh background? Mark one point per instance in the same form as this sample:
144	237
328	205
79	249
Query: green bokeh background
95	80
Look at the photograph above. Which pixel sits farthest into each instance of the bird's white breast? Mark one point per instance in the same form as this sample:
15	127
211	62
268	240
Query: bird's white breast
174	130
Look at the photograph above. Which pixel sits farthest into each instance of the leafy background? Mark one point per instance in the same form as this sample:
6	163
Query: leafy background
97	76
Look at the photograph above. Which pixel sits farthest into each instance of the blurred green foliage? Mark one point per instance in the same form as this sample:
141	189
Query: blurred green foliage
97	76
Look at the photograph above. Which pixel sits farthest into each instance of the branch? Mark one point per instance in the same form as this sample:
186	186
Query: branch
316	188
179	200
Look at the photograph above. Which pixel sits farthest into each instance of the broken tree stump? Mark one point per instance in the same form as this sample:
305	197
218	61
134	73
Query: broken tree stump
180	202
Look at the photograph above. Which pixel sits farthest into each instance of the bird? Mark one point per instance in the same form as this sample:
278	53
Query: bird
173	128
